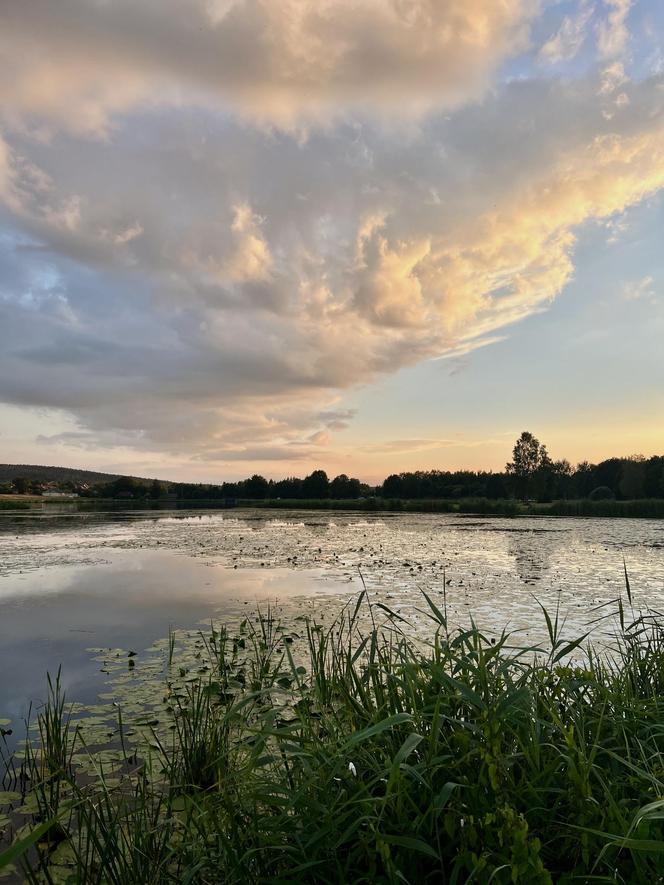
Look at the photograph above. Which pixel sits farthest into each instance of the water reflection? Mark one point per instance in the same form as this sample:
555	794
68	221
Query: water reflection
69	582
532	553
51	616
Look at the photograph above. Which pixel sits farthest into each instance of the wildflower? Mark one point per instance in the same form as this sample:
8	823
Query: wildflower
352	769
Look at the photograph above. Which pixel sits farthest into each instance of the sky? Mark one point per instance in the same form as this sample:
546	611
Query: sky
247	236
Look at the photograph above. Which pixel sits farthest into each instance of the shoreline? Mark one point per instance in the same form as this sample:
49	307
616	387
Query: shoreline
647	508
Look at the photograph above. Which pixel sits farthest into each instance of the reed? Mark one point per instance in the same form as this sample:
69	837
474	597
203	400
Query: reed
373	757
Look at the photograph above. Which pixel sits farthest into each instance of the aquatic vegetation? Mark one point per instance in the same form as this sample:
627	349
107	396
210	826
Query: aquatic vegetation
645	508
477	506
13	504
348	751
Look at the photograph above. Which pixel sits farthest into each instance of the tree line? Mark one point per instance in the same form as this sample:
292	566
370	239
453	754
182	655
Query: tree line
315	486
531	475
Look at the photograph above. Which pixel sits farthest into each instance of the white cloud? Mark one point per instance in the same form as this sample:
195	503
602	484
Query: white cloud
639	289
566	43
612	32
250	258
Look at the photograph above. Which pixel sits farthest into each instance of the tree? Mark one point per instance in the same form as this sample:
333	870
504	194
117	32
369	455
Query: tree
609	473
561	478
343	486
633	479
602	493
654	480
583	481
495	486
123	487
530	460
157	489
256	487
393	486
290	487
22	485
316	485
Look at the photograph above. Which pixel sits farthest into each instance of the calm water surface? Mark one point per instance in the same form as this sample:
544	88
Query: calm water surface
69	583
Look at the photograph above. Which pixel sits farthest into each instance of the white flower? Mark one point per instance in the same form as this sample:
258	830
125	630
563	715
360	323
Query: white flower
352	769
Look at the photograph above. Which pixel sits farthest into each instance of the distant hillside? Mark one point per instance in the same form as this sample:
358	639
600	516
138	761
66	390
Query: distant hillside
38	473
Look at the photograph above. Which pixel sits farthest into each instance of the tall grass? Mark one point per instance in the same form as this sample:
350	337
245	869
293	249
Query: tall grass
644	508
10	504
371	757
480	506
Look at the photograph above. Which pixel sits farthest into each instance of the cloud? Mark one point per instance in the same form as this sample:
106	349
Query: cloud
612	33
409	446
288	452
565	44
194	285
402	446
388	289
638	289
74	65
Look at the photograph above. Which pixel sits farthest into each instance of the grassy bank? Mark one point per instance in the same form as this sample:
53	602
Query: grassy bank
393	505
363	757
645	508
11	502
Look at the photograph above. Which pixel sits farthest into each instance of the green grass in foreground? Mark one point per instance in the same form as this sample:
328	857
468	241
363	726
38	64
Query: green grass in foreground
374	760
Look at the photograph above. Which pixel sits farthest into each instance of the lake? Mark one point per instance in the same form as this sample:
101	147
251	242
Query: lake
75	582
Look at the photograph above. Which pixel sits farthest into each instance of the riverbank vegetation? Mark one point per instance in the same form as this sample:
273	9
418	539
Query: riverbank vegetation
652	508
532	476
11	502
350	753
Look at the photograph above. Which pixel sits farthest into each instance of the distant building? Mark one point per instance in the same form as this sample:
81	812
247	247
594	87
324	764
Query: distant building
55	493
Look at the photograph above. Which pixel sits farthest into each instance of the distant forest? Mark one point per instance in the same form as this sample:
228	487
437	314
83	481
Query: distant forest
38	474
613	479
530	475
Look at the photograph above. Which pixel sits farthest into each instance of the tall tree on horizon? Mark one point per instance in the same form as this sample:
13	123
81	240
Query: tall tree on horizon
529	458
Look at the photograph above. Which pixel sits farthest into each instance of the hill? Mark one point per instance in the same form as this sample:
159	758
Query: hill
40	473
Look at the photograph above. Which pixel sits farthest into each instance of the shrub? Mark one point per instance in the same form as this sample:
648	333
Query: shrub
602	493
